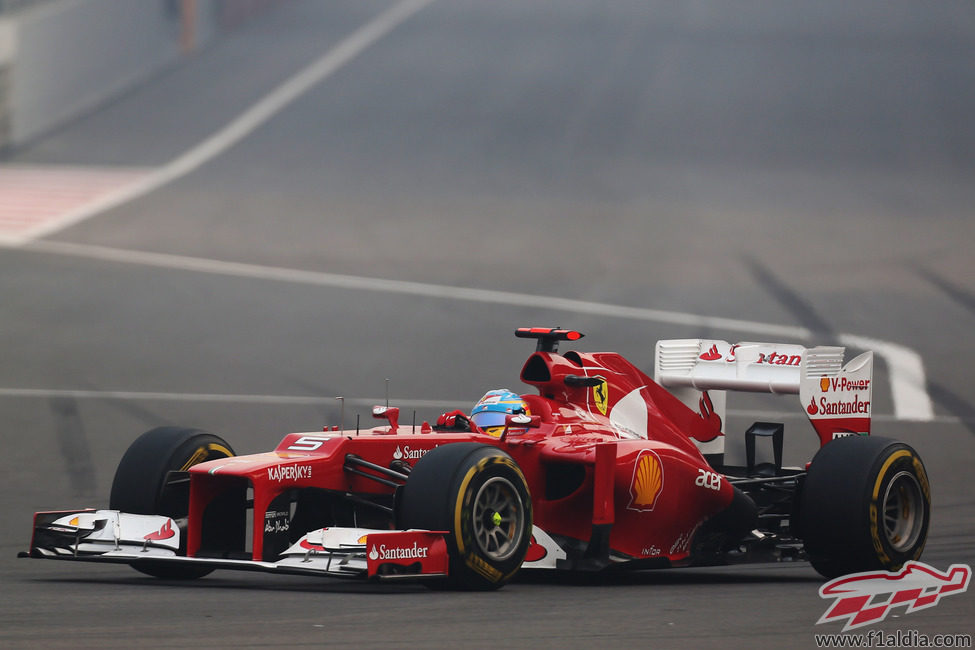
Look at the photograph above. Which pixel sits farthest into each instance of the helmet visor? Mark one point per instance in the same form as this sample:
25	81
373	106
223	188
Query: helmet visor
487	419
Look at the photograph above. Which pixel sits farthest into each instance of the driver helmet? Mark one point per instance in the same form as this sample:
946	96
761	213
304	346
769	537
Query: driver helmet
491	410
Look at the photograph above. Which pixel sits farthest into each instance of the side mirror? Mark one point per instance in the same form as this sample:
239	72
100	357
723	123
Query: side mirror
520	421
389	413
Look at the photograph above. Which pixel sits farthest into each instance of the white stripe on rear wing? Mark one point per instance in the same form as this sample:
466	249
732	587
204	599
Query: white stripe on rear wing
836	398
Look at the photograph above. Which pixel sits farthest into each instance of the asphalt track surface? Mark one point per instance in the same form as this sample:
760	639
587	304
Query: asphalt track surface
808	167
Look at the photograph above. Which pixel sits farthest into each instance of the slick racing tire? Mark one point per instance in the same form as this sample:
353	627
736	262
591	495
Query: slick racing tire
478	494
865	505
142	483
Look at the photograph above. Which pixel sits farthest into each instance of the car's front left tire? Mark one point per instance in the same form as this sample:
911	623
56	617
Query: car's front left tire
478	493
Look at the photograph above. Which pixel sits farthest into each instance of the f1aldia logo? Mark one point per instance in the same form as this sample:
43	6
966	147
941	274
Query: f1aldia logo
867	598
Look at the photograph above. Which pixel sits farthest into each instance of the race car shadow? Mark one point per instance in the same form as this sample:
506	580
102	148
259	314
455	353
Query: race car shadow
741	574
294	584
229	582
247	581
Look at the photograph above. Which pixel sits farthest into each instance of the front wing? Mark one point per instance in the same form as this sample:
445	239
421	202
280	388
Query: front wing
118	537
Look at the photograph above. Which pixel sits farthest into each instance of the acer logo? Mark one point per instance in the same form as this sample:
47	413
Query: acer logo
709	480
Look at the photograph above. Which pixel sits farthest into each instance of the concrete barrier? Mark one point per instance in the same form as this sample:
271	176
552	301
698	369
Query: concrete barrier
60	58
7	48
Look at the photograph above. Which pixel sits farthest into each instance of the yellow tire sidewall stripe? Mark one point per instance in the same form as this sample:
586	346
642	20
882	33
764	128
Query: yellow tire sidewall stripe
462	491
203	453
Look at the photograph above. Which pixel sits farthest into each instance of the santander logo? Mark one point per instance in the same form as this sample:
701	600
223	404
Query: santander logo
409	454
382	552
166	532
712	354
812	409
713	420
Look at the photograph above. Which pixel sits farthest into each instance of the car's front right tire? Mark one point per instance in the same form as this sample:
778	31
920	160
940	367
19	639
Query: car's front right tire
144	483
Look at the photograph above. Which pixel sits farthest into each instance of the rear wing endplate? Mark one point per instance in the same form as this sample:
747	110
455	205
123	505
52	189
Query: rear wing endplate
836	397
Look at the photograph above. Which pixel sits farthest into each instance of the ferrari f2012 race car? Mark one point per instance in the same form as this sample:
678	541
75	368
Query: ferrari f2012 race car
603	467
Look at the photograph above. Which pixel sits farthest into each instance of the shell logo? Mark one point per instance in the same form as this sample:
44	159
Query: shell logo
824	384
647	482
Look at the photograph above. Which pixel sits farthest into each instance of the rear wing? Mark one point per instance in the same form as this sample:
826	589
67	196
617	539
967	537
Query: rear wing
836	397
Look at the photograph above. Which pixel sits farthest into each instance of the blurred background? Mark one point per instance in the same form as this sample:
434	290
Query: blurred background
226	213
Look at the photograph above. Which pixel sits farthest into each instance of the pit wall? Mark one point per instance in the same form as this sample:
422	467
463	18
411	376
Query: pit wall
61	58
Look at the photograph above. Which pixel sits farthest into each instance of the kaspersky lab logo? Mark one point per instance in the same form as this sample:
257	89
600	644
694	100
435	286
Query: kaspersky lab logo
867	598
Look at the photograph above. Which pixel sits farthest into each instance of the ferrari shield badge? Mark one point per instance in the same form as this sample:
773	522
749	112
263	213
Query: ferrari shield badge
600	395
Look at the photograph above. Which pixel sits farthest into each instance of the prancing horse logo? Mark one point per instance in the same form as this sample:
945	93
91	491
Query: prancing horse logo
600	395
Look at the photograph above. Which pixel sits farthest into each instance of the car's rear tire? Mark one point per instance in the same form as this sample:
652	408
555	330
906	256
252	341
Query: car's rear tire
865	505
478	493
142	483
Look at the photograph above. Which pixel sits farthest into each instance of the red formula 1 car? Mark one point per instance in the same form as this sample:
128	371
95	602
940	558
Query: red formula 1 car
603	467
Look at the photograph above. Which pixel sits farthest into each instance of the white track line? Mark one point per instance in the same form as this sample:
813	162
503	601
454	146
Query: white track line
905	366
241	127
312	400
280	400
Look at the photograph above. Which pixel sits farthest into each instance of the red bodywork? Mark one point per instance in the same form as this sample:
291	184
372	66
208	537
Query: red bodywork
614	457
